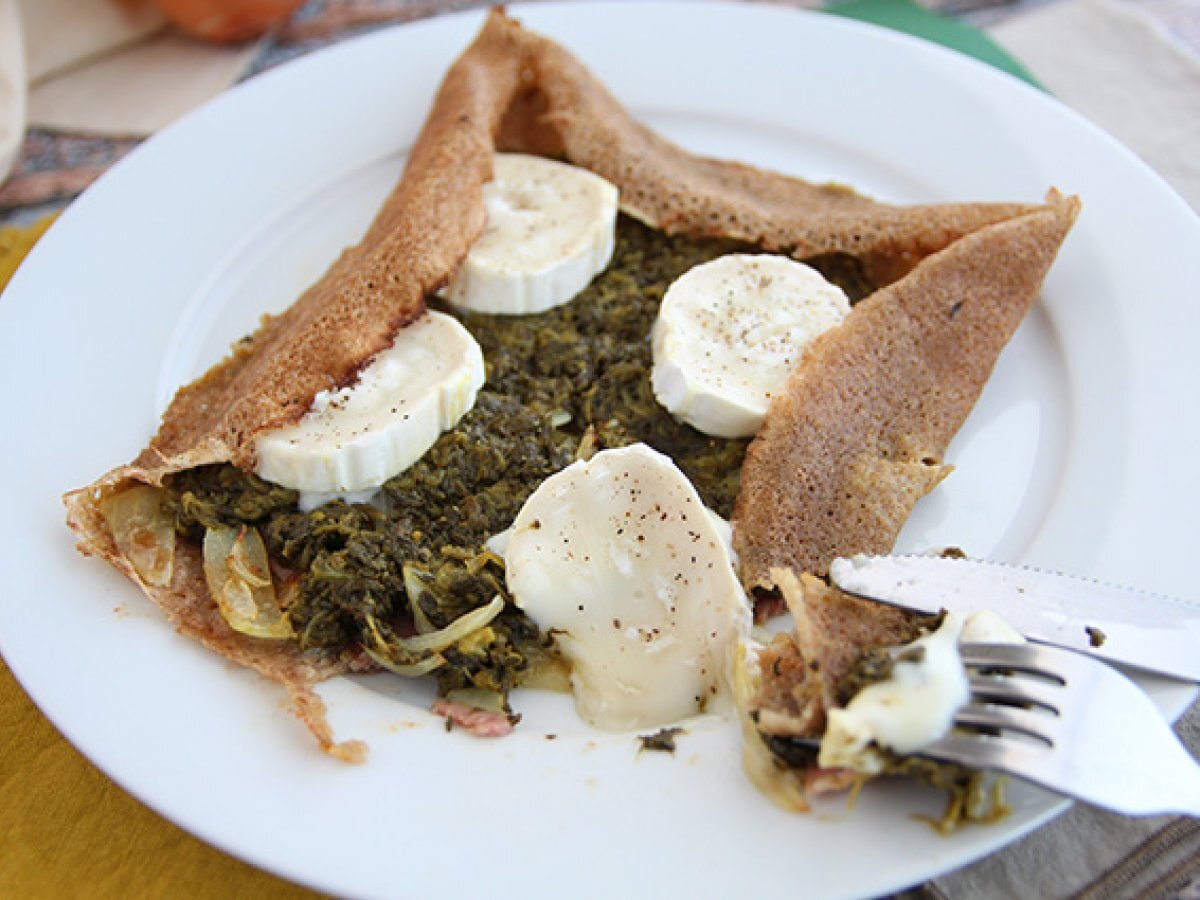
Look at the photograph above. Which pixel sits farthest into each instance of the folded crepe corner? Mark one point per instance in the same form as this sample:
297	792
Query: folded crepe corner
959	278
859	433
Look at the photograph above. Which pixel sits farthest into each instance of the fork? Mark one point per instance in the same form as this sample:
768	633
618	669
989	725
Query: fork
1071	724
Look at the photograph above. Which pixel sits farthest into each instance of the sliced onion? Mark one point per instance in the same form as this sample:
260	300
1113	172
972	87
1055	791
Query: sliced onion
409	670
239	580
587	444
414	587
254	571
480	561
225	22
424	647
144	532
782	785
455	631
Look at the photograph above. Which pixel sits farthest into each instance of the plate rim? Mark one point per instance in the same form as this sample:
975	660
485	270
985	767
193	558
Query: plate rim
459	20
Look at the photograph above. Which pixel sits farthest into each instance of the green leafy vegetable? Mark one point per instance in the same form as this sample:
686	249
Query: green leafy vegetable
560	385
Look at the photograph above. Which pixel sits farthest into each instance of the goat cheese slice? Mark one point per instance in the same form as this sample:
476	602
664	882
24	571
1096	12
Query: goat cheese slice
550	229
730	332
354	439
618	557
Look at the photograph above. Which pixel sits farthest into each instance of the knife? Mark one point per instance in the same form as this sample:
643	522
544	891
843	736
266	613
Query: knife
1149	631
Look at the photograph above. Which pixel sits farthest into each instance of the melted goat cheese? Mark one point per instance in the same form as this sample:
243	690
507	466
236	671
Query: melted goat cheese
911	709
916	705
985	627
620	560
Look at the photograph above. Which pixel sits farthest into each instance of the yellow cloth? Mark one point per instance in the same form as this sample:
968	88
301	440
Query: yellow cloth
65	829
15	243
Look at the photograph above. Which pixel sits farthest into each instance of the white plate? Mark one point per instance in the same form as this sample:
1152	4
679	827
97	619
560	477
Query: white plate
1079	456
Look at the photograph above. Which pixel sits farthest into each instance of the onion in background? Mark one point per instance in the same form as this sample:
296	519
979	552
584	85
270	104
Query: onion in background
227	21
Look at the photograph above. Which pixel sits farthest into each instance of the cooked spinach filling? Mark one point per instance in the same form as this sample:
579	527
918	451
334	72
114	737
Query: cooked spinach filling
560	385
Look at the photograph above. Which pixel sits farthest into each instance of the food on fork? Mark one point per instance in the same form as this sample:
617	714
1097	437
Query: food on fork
853	692
415	581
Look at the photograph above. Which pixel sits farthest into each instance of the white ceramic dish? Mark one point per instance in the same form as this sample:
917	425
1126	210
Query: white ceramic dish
1078	457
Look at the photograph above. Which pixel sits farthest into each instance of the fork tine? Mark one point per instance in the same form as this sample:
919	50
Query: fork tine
1033	659
1101	738
1005	689
1040	725
982	751
1111	746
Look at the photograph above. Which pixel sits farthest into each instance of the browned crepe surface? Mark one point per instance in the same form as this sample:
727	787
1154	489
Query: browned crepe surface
510	90
858	435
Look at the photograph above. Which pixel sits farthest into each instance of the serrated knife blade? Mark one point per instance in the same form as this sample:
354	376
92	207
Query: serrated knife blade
1149	631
